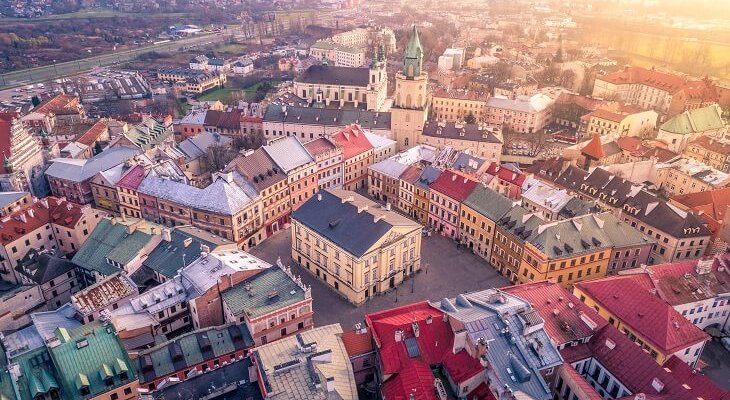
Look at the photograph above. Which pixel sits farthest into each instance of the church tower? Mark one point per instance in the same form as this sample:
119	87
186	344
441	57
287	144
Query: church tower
410	106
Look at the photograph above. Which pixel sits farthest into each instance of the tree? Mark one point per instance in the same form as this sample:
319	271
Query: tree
35	100
218	156
470	118
567	78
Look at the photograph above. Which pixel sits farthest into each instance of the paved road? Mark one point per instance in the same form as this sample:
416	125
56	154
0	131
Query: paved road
718	364
42	74
450	271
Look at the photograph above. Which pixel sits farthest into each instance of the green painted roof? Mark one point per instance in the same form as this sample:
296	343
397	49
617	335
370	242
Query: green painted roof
90	350
167	258
695	121
413	48
221	342
39	376
110	241
270	290
488	203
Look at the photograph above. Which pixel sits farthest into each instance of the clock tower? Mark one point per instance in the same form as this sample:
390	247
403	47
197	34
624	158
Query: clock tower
410	106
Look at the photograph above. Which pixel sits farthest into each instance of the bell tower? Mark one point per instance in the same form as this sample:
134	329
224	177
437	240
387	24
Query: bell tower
410	106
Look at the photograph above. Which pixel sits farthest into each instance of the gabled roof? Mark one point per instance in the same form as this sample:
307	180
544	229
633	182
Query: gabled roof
507	173
358	343
80	170
197	146
353	141
288	153
42	268
711	205
88	353
92	134
132	178
49	210
695	121
111	240
488	203
319	146
566	318
594	148
453	185
656	321
327	116
258	168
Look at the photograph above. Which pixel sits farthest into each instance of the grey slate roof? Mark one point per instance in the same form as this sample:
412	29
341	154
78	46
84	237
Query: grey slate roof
517	358
269	290
288	153
428	175
342	224
80	170
197	146
389	167
468	163
488	203
41	268
167	258
327	116
7	198
449	130
330	75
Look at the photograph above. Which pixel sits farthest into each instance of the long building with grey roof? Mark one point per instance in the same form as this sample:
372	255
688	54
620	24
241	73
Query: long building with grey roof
309	123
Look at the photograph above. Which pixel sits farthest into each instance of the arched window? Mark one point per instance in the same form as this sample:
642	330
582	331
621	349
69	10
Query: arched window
410	69
408	100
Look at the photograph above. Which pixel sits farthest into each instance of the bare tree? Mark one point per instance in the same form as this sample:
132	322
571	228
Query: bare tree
218	156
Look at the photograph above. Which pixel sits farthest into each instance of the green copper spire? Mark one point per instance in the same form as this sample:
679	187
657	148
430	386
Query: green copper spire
413	56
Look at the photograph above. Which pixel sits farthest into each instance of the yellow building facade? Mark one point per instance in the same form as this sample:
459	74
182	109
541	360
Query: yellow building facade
358	266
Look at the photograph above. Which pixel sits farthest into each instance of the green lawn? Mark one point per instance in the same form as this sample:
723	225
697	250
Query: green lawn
225	95
228	95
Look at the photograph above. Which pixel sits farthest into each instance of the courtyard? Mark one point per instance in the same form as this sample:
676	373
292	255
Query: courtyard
447	270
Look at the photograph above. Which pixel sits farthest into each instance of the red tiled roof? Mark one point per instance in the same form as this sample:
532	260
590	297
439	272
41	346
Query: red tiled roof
565	318
506	174
357	343
453	185
435	343
712	145
710	206
132	178
587	103
594	148
699	385
411	174
249	118
318	146
680	283
649	77
353	141
223	119
48	210
656	321
92	134
60	104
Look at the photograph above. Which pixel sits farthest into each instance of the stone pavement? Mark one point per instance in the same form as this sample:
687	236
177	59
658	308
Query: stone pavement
447	271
